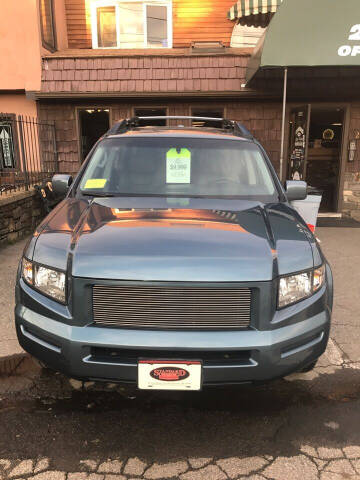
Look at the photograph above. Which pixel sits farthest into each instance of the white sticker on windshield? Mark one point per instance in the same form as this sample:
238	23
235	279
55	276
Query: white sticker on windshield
178	166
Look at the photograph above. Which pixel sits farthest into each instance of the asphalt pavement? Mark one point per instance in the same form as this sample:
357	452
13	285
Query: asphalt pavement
306	426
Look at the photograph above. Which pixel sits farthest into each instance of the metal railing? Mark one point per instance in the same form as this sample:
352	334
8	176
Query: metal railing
28	153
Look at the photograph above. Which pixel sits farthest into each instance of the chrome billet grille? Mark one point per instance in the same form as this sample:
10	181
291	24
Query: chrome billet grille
172	307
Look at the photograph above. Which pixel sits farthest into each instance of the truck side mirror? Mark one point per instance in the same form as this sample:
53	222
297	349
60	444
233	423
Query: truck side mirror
295	190
61	184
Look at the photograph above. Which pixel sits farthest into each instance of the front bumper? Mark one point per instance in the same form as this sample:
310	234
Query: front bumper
266	354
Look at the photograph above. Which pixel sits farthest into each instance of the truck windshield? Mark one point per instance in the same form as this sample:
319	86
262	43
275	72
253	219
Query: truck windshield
179	166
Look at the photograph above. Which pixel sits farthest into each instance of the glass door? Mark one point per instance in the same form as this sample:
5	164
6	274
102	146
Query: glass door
323	159
315	150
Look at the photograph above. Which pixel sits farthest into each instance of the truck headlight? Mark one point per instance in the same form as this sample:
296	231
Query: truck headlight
294	288
47	280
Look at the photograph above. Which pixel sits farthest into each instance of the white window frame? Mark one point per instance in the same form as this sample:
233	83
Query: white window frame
116	3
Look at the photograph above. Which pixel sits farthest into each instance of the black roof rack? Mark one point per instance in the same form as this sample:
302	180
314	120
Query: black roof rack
228	125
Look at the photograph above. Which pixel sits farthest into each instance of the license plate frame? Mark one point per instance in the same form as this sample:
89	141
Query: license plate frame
173	375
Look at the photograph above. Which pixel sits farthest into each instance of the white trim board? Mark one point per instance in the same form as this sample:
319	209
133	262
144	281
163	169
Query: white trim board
330	215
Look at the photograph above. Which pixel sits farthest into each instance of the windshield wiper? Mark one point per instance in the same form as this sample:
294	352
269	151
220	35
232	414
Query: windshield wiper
159	195
91	193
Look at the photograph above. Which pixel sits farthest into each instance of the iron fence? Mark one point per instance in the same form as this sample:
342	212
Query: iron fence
28	153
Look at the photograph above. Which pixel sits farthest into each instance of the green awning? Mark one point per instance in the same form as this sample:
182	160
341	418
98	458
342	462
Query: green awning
244	9
310	33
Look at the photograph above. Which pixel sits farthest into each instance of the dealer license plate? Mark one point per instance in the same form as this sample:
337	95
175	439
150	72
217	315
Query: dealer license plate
169	375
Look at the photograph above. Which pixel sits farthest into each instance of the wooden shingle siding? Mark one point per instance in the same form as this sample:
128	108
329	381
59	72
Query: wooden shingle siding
193	21
125	75
78	23
201	20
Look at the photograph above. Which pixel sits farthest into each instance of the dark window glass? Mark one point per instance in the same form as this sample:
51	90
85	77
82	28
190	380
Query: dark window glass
156	26
209	113
175	166
47	24
151	112
106	27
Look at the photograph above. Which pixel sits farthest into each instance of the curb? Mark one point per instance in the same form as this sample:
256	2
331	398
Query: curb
14	364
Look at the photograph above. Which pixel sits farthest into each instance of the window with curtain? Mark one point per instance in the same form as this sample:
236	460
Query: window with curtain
47	24
106	25
125	24
156	22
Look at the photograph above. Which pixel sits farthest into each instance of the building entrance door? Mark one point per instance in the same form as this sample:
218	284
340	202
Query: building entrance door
316	137
94	122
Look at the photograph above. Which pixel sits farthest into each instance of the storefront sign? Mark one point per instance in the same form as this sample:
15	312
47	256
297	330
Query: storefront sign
7	149
297	157
351	50
328	134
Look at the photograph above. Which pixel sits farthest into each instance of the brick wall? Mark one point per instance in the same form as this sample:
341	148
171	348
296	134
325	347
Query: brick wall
263	119
20	213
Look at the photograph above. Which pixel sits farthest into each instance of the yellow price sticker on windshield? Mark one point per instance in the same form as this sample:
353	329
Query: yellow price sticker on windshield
178	166
95	183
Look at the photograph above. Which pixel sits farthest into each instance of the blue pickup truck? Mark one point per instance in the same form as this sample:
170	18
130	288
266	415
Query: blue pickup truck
175	261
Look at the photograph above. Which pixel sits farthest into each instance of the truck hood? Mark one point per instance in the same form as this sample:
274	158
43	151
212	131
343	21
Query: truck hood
224	241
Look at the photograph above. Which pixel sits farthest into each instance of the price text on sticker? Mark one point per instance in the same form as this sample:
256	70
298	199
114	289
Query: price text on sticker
178	166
